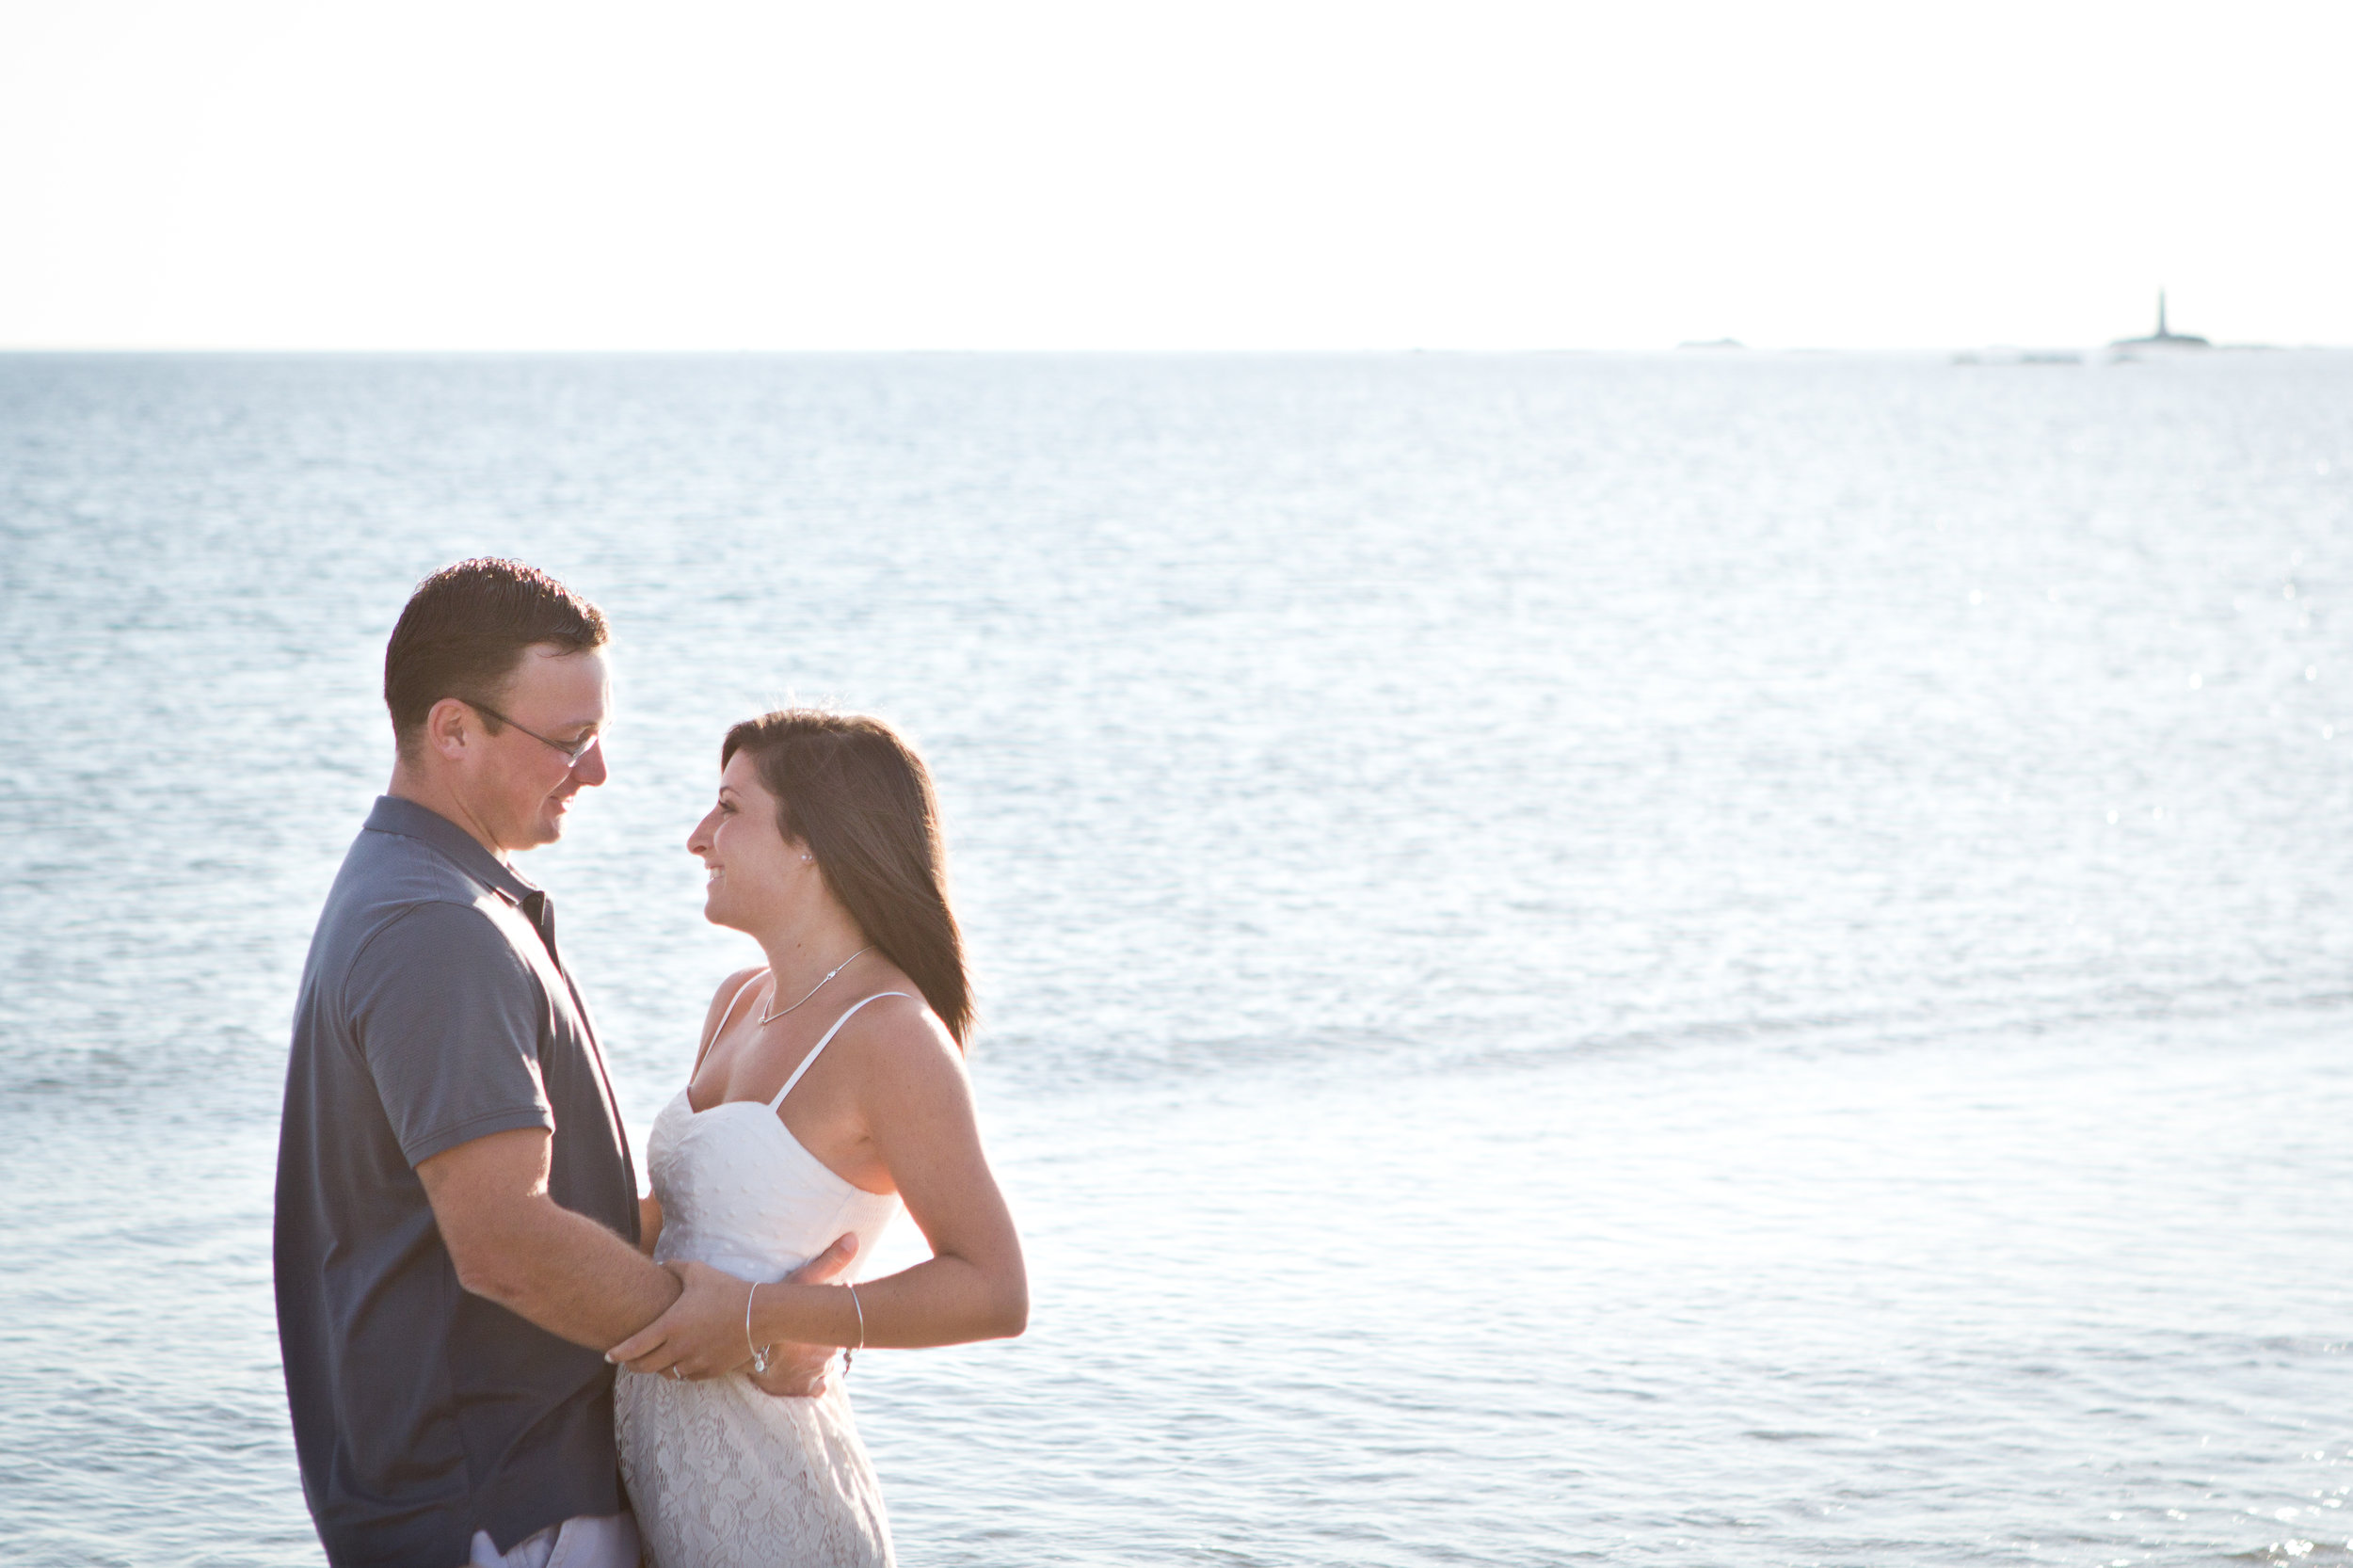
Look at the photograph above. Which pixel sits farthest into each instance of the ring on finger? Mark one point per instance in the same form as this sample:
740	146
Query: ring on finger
676	1376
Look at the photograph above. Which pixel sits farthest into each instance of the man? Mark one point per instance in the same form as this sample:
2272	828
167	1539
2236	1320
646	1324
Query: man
457	1216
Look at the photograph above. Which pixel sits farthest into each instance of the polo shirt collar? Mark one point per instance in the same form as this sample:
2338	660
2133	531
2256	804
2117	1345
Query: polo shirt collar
428	827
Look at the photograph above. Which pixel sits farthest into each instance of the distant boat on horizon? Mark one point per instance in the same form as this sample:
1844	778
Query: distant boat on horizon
2163	337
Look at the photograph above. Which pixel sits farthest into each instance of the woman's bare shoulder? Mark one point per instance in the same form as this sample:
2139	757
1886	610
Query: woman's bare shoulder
913	1091
724	997
901	1032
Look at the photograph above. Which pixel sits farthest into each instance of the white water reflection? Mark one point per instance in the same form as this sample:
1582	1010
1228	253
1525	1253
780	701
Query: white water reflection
1583	959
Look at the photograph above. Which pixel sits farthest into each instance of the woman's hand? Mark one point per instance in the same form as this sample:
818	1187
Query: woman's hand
806	1371
701	1336
800	1370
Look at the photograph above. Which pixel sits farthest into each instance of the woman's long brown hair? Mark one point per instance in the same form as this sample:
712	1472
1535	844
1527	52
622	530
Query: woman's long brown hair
857	796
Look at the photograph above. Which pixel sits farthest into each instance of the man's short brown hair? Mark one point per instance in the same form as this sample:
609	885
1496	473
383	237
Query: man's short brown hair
466	630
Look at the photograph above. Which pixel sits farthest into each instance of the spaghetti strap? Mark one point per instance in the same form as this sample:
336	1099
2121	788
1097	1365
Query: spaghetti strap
749	981
819	1049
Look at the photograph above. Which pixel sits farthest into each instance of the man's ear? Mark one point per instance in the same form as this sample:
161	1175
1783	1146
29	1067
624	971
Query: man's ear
449	727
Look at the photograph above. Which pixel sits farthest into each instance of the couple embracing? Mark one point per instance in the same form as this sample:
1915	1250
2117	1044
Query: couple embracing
462	1258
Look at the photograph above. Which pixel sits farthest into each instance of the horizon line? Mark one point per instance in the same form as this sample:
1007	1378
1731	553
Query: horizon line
1713	347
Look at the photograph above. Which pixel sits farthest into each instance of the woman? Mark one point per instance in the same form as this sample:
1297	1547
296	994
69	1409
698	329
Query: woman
829	1090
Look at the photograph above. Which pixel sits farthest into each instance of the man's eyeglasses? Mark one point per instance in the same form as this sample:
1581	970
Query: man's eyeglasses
572	753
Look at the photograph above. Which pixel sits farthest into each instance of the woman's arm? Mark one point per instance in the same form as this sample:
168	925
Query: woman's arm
974	1285
649	1224
917	1105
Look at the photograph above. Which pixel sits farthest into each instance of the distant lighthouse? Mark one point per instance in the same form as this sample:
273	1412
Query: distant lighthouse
2164	337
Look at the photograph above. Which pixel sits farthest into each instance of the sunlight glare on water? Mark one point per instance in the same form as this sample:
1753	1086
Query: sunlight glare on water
1583	959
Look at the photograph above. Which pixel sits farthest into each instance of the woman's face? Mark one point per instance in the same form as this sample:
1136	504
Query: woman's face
757	875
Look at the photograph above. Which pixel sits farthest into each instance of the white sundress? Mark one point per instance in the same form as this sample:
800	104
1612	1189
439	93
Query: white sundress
722	1475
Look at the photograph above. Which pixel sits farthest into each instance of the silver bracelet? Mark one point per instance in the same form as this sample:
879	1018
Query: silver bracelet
851	1350
759	1352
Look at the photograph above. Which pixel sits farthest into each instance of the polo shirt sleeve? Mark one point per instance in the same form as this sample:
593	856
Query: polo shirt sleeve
449	1018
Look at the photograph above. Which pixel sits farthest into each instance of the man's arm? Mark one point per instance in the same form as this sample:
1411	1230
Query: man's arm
517	1246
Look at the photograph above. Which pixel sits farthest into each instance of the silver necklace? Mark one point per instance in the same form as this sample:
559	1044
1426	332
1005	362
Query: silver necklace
767	1018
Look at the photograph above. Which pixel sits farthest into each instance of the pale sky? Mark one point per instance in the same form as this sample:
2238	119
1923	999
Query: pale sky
1011	175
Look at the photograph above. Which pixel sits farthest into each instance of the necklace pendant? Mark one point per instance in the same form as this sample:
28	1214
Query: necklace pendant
767	1018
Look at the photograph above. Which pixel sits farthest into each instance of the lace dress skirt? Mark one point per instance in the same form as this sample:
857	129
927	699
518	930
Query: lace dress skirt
725	1475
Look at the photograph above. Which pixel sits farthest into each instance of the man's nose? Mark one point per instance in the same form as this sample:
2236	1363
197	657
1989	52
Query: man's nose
590	768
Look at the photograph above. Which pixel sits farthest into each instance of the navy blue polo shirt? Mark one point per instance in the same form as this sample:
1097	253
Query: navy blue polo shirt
435	1010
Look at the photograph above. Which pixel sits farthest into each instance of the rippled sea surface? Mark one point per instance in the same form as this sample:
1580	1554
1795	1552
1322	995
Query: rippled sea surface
1704	960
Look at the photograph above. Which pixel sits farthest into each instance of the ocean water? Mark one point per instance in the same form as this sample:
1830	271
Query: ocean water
1689	960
